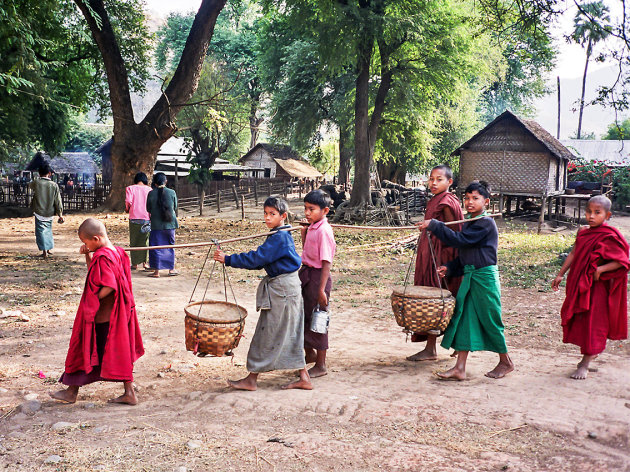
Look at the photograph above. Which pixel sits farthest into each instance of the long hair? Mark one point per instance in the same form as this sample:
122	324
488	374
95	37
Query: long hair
159	182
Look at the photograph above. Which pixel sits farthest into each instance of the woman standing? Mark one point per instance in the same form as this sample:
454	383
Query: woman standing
162	207
139	224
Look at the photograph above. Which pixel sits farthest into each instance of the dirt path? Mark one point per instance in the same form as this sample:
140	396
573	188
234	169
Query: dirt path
375	411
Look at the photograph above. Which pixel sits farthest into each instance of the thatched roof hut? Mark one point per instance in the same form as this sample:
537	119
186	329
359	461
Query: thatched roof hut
516	157
79	163
277	160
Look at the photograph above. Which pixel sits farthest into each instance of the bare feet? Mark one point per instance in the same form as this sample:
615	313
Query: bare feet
155	275
504	367
317	371
424	355
582	368
303	383
452	374
68	395
128	398
248	383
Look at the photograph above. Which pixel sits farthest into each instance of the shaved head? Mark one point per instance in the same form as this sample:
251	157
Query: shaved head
92	227
601	200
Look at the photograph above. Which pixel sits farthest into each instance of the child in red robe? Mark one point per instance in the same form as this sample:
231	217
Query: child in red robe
105	339
443	206
595	308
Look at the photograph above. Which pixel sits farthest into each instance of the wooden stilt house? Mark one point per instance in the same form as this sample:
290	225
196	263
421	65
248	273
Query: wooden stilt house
517	157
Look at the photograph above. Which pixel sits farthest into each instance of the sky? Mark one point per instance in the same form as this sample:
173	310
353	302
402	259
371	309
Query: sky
569	67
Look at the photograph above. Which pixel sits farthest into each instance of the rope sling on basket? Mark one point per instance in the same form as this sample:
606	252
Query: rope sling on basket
419	309
218	331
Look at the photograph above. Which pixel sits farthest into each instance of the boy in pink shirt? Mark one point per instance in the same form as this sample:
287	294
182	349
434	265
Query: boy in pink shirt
317	255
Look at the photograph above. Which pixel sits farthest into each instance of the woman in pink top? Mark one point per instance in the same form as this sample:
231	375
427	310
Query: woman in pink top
139	222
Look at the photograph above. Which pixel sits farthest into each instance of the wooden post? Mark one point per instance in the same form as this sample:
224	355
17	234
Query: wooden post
285	189
557	210
177	184
269	188
242	207
256	192
541	217
558	131
235	193
218	201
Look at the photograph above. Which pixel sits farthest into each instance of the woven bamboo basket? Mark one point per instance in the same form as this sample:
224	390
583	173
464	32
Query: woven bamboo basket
214	333
420	309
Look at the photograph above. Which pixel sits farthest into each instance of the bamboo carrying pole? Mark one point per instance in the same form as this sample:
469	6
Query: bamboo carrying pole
294	228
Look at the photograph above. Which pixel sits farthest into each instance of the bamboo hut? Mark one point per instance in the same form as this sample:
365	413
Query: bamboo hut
518	158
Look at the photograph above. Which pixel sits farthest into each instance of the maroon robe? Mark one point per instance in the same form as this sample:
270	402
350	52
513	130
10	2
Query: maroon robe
425	273
594	311
109	268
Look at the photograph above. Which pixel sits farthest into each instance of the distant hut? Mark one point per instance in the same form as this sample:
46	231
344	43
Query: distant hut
279	161
517	157
79	165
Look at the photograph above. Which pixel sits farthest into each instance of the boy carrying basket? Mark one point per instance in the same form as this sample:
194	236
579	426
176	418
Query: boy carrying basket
106	338
476	324
443	206
279	337
595	308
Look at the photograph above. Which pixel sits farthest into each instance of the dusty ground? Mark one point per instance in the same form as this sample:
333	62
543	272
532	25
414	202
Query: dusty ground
375	411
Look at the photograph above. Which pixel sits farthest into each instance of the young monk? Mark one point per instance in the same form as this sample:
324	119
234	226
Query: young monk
443	206
476	324
278	340
595	308
106	338
318	250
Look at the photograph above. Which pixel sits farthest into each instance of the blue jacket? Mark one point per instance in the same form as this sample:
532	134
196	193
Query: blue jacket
277	255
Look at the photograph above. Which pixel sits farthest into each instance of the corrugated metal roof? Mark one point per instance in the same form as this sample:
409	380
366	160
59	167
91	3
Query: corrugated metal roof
611	152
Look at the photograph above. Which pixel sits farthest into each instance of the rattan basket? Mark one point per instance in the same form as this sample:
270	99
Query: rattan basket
420	309
213	336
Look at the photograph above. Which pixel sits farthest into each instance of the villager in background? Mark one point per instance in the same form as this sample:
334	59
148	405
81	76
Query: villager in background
139	219
162	208
46	203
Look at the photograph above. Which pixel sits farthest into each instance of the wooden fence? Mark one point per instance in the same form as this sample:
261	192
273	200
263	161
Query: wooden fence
76	198
237	194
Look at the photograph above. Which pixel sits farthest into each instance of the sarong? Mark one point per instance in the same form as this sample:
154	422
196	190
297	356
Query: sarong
476	324
310	278
80	378
137	239
44	235
162	258
278	342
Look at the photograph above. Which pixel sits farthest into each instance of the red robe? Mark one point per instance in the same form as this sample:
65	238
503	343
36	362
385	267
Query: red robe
596	310
109	268
425	273
425	270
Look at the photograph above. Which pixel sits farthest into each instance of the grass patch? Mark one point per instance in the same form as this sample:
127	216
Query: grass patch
530	260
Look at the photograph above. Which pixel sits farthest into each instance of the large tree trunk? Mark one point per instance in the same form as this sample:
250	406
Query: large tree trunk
135	145
345	154
362	158
588	56
366	128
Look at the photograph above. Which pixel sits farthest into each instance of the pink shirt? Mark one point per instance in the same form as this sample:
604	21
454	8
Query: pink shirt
319	244
136	200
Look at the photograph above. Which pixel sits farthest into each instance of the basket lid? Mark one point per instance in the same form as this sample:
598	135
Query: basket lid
213	311
419	291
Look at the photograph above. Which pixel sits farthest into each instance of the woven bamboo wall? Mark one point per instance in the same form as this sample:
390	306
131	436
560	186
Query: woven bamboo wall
519	172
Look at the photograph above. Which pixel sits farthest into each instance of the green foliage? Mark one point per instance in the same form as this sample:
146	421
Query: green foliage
529	260
50	65
214	124
86	137
618	130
